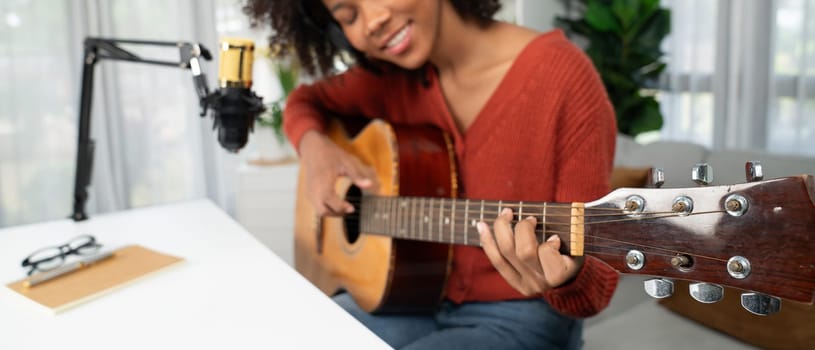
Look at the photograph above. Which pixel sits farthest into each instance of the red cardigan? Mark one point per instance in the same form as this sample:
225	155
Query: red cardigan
546	134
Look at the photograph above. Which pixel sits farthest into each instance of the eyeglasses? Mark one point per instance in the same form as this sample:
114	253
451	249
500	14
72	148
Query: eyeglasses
50	258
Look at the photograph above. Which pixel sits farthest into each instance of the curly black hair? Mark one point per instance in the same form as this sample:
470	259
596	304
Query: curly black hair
303	28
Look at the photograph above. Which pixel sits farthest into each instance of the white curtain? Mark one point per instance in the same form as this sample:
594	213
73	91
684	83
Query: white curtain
792	94
740	75
151	145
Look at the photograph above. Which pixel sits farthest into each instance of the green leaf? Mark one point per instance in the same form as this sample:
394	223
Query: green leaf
287	74
619	80
625	11
655	29
648	119
600	17
648	6
273	118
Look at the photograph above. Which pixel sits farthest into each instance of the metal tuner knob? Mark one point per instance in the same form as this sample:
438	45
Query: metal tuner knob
760	304
659	288
707	293
702	174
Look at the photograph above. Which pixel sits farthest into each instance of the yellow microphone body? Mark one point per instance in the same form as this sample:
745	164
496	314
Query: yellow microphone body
237	57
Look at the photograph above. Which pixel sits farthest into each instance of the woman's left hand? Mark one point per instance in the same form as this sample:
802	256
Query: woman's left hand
529	267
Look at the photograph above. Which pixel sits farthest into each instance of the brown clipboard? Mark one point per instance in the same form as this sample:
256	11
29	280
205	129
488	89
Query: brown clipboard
127	265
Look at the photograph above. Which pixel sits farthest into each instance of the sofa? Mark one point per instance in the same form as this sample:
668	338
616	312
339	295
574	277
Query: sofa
636	321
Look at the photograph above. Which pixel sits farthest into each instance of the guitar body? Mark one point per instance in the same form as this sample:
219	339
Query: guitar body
382	274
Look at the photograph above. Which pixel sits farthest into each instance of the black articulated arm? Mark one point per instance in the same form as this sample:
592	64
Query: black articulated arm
97	49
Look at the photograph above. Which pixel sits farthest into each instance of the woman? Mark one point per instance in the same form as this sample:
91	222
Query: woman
530	122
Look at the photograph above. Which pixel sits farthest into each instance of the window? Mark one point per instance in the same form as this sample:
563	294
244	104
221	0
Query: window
738	78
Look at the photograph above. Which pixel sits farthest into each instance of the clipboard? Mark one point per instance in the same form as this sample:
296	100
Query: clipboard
128	264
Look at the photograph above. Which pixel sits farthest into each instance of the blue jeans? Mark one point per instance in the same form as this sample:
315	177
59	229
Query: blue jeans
517	324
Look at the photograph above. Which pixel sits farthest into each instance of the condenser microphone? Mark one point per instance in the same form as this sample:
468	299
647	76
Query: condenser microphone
235	107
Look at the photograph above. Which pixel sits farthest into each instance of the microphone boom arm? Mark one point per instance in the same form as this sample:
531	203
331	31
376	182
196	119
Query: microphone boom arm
96	49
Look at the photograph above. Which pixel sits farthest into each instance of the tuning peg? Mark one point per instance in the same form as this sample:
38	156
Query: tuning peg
706	292
702	174
753	171
659	288
656	177
760	304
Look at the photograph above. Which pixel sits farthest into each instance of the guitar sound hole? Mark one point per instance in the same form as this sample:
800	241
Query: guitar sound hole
351	221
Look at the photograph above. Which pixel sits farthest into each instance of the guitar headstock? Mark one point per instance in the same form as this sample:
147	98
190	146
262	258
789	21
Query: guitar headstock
757	236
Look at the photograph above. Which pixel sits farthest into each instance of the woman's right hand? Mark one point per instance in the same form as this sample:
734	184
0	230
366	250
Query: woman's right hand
324	162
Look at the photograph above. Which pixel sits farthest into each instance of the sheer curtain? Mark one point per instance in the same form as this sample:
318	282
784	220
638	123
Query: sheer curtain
37	103
151	145
740	75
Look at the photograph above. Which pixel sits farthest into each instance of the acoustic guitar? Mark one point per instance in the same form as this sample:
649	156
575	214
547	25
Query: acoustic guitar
393	253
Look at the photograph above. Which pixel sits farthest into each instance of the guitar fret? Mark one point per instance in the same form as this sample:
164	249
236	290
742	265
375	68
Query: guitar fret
453	222
392	215
441	221
371	222
381	214
520	210
377	215
375	212
424	217
430	222
400	221
398	218
466	224
412	222
482	210
403	205
543	222
382	220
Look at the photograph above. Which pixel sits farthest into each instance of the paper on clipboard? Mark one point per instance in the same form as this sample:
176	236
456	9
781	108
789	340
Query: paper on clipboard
127	265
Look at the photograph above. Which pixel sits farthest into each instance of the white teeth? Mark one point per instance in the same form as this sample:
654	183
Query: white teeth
398	38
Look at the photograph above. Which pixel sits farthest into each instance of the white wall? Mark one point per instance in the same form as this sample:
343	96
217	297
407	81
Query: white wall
538	14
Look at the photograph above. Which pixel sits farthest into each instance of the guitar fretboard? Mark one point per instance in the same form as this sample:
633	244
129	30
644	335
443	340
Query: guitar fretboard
454	221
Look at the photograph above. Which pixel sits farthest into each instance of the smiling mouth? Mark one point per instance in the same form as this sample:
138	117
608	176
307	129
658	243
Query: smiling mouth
397	38
398	43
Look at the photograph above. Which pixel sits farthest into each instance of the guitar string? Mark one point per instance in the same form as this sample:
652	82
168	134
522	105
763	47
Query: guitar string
644	247
600	237
548	205
638	216
644	215
618	211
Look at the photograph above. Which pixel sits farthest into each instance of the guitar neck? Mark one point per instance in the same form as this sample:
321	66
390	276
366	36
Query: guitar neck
453	221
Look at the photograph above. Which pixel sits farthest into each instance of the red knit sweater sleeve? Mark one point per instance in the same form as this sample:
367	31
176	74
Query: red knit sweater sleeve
356	92
587	130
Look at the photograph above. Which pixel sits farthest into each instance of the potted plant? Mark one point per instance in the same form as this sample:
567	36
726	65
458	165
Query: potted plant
271	121
623	38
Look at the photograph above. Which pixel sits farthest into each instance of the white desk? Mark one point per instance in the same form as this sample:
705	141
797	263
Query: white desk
231	293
